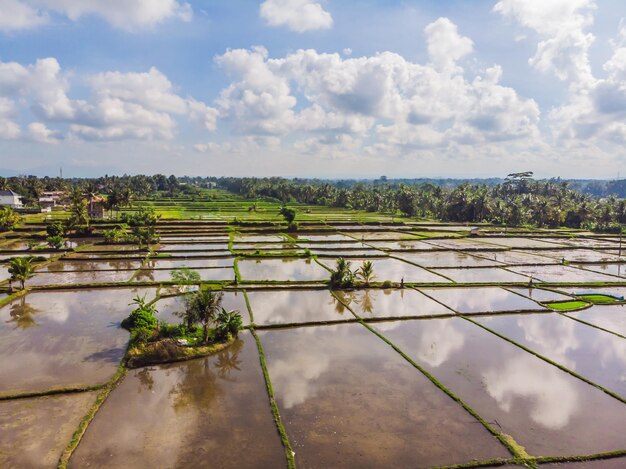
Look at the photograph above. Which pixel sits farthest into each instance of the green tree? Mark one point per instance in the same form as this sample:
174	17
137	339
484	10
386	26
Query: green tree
366	272
342	276
21	269
8	219
201	307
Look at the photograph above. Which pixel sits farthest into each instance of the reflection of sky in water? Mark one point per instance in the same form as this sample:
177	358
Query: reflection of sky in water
595	354
281	307
473	300
391	302
278	269
553	398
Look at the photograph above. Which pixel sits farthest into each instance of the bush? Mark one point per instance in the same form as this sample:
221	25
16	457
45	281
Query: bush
56	242
387	284
56	229
140	319
143	335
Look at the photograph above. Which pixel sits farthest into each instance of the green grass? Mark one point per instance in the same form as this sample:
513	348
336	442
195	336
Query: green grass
567	305
598	299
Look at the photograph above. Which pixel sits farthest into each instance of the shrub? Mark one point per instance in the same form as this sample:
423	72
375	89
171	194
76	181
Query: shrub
228	323
8	219
56	242
56	229
140	319
387	284
342	276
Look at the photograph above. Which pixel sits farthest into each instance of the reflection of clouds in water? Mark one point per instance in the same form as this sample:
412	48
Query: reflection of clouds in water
437	341
611	350
551	396
282	270
295	378
298	359
552	336
294	306
482	299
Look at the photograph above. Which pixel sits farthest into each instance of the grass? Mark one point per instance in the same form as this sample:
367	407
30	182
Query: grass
289	453
599	299
568	305
168	351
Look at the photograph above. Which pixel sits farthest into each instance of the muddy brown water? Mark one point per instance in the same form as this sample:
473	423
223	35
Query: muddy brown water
348	400
546	410
208	412
80	277
62	338
36	431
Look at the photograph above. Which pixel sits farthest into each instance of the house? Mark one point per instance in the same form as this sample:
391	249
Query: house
10	199
95	207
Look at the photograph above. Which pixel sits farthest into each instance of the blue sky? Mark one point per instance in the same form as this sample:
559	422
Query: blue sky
313	88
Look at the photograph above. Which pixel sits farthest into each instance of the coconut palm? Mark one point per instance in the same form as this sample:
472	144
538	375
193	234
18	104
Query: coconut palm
342	276
203	307
366	272
21	269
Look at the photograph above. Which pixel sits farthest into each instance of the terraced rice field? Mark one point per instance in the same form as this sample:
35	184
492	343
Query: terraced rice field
463	351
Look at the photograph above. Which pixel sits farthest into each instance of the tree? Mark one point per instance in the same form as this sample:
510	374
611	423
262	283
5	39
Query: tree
342	276
21	269
203	307
289	214
56	242
8	219
366	272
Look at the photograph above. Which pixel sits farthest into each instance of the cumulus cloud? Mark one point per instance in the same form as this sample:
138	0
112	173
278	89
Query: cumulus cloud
124	14
386	97
564	45
38	132
297	15
121	105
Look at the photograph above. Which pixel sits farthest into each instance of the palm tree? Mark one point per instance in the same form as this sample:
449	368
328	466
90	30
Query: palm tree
342	276
202	306
366	272
21	269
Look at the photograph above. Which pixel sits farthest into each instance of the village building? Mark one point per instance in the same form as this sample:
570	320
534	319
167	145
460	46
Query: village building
10	199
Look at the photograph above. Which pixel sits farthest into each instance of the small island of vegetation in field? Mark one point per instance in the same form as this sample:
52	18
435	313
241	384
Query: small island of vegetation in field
206	328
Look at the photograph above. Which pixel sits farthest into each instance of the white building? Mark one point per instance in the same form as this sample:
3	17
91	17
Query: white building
10	199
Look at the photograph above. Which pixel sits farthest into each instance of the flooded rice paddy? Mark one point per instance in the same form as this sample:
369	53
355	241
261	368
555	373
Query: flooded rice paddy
453	356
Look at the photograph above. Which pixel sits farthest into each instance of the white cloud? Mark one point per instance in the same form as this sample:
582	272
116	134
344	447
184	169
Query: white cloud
347	101
131	105
42	134
563	49
445	44
297	15
124	14
16	15
9	129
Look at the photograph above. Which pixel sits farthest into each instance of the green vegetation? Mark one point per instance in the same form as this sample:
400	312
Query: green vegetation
21	269
366	272
56	242
185	276
599	299
567	305
342	276
8	219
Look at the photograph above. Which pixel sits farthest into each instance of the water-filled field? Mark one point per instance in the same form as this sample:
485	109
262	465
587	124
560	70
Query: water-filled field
483	351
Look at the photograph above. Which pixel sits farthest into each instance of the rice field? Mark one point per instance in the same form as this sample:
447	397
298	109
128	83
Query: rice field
497	350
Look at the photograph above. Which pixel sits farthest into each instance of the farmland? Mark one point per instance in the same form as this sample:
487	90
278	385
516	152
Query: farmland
504	348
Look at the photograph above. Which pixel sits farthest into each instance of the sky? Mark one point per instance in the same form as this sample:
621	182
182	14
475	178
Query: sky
306	88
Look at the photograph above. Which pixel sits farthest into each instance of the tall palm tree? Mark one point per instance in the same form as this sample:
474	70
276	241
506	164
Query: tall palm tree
21	269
